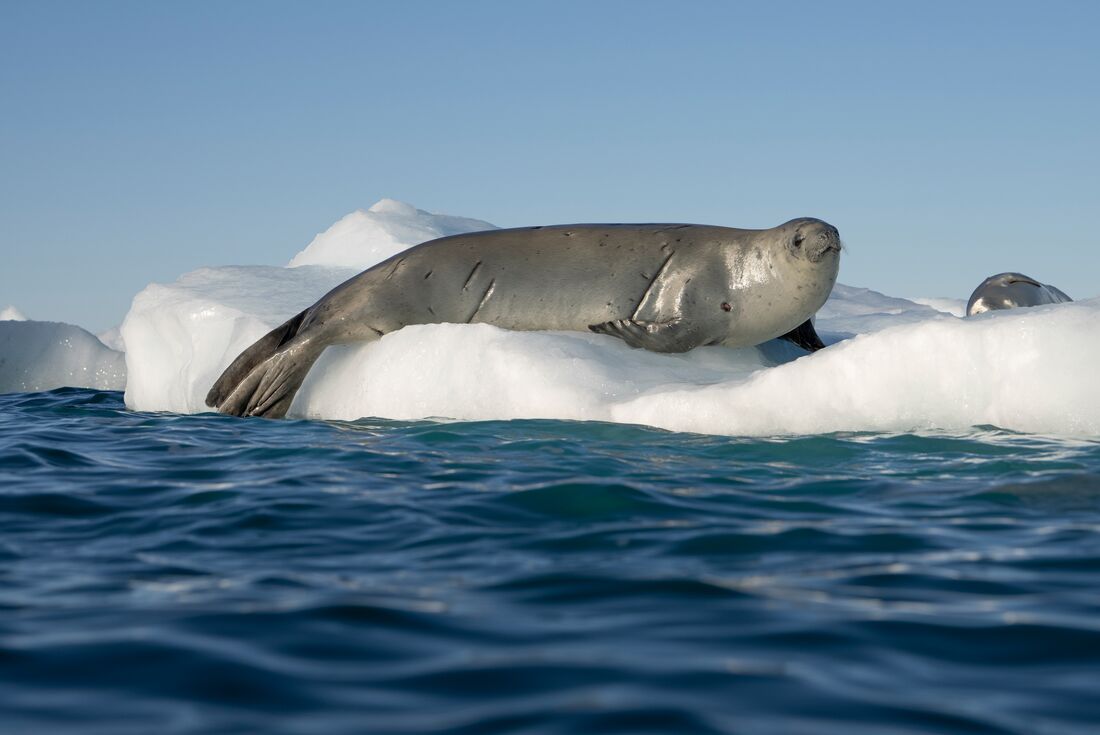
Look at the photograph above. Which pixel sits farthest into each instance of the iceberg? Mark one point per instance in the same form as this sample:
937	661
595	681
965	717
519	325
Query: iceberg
179	337
363	238
893	364
10	314
113	338
954	307
1026	370
46	355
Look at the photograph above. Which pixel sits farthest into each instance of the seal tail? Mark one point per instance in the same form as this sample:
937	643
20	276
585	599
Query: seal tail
263	379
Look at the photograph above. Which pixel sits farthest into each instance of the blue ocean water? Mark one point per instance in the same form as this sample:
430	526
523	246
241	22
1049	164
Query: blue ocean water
187	574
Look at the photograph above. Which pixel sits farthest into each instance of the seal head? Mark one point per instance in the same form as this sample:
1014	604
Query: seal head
812	239
1010	291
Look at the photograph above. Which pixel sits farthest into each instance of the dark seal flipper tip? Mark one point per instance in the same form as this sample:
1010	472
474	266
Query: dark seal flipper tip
805	337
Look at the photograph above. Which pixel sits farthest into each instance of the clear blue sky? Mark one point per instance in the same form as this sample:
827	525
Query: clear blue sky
946	140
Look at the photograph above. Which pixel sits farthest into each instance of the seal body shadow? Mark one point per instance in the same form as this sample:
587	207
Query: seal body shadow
661	287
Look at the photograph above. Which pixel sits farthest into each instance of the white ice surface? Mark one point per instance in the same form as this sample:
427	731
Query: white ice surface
113	338
893	364
180	336
363	238
954	307
47	355
1029	370
11	314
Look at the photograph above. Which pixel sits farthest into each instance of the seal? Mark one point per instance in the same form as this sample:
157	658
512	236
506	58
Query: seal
1011	290
661	287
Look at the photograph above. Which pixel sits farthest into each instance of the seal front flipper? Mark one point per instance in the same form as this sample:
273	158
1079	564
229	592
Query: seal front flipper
668	336
805	337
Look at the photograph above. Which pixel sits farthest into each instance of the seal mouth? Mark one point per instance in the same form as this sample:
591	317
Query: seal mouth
827	245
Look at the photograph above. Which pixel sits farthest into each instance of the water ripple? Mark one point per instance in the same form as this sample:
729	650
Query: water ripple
192	574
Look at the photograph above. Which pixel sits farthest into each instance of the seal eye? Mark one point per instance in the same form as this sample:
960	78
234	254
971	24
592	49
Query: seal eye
798	238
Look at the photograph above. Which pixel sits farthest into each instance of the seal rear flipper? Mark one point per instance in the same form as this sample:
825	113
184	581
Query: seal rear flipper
260	350
805	337
670	336
269	389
